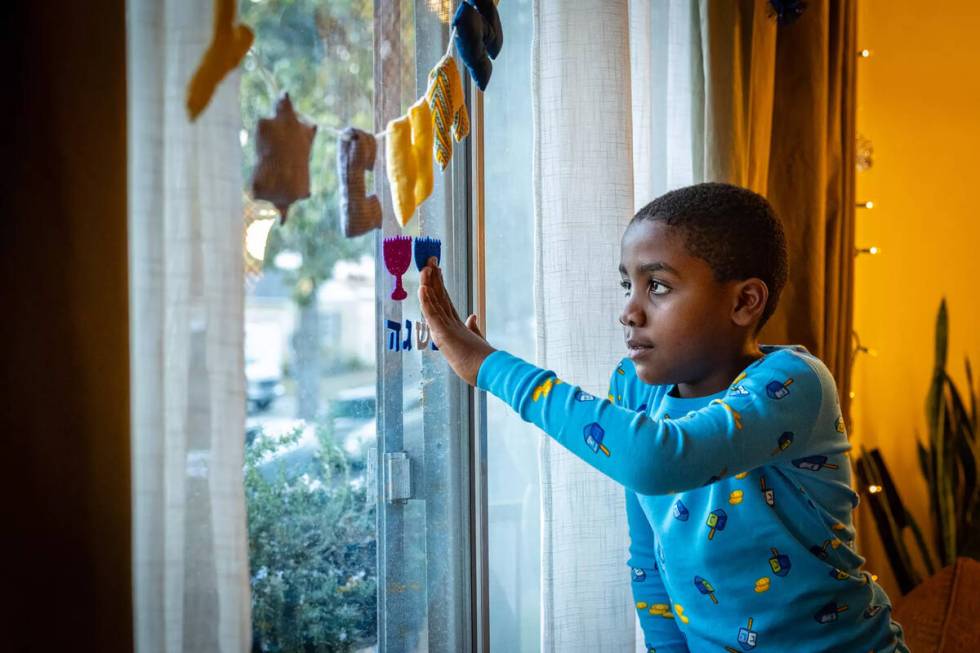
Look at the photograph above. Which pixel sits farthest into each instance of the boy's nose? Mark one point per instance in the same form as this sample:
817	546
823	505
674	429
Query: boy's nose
631	316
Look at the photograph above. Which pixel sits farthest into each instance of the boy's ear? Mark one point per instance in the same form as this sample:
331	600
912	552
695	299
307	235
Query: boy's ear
751	296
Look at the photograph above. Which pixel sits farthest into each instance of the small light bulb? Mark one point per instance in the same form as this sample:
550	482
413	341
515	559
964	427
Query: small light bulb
864	54
852	394
874	489
873	250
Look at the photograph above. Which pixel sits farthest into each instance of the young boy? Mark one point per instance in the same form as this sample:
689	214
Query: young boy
733	454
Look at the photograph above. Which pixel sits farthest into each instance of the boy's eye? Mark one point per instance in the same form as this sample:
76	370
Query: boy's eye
658	288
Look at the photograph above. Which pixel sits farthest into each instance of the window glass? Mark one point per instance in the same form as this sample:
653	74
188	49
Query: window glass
331	405
512	461
310	356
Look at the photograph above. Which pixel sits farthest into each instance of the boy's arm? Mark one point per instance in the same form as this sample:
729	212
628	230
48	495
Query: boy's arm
653	605
767	416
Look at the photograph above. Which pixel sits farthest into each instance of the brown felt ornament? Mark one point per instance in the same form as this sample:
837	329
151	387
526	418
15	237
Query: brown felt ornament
282	143
229	43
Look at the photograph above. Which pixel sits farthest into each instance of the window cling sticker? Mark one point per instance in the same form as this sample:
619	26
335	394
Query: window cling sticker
398	253
393	336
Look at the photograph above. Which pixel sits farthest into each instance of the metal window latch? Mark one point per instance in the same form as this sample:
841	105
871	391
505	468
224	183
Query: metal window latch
398	477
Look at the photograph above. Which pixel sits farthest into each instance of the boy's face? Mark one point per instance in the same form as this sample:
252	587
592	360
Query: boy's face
677	317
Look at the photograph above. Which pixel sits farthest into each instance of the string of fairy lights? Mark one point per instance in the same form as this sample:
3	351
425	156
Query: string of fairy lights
864	160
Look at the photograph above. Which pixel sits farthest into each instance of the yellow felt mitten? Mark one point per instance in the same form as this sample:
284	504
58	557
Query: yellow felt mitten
408	159
229	43
445	97
400	165
421	117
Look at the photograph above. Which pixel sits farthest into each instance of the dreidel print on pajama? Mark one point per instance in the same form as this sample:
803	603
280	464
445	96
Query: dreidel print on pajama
821	550
738	391
871	611
717	477
594	435
747	638
638	575
777	390
717	521
828	613
767	493
813	463
779	563
705	588
782	444
839	574
680	511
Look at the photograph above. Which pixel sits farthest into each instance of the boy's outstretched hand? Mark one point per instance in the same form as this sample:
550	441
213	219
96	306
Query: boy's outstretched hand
462	344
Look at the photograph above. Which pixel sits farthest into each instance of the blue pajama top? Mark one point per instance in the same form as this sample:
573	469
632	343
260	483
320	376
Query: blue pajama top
739	503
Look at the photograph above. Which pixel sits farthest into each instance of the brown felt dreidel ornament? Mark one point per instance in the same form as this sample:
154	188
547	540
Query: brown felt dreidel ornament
359	212
282	143
229	43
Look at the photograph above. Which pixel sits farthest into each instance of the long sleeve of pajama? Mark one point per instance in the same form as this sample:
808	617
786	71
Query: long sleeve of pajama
739	504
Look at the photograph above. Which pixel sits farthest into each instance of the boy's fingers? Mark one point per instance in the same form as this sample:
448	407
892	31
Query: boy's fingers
432	278
435	312
441	294
473	324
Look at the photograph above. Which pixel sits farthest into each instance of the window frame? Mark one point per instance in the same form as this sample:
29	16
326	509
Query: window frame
455	572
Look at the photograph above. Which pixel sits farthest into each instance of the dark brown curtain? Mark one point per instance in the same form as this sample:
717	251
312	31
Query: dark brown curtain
65	361
779	118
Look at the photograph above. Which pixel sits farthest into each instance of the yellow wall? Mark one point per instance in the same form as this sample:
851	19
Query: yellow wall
918	101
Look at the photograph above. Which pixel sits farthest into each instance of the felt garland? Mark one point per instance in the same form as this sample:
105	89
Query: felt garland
229	43
359	213
445	97
408	158
412	141
283	143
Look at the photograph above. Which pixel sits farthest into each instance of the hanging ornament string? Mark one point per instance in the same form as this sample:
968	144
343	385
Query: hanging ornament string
381	134
413	141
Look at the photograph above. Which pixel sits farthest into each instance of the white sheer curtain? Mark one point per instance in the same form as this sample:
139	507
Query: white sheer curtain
186	295
617	92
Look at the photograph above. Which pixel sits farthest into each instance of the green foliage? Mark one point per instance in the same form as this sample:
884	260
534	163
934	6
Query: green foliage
312	550
949	458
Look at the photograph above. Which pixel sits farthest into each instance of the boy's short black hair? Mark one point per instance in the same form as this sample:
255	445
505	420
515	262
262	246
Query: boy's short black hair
732	228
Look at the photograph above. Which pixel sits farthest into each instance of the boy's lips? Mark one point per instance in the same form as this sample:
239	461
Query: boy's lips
638	348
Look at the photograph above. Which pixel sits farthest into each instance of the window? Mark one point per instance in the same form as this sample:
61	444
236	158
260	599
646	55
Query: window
343	557
512	462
